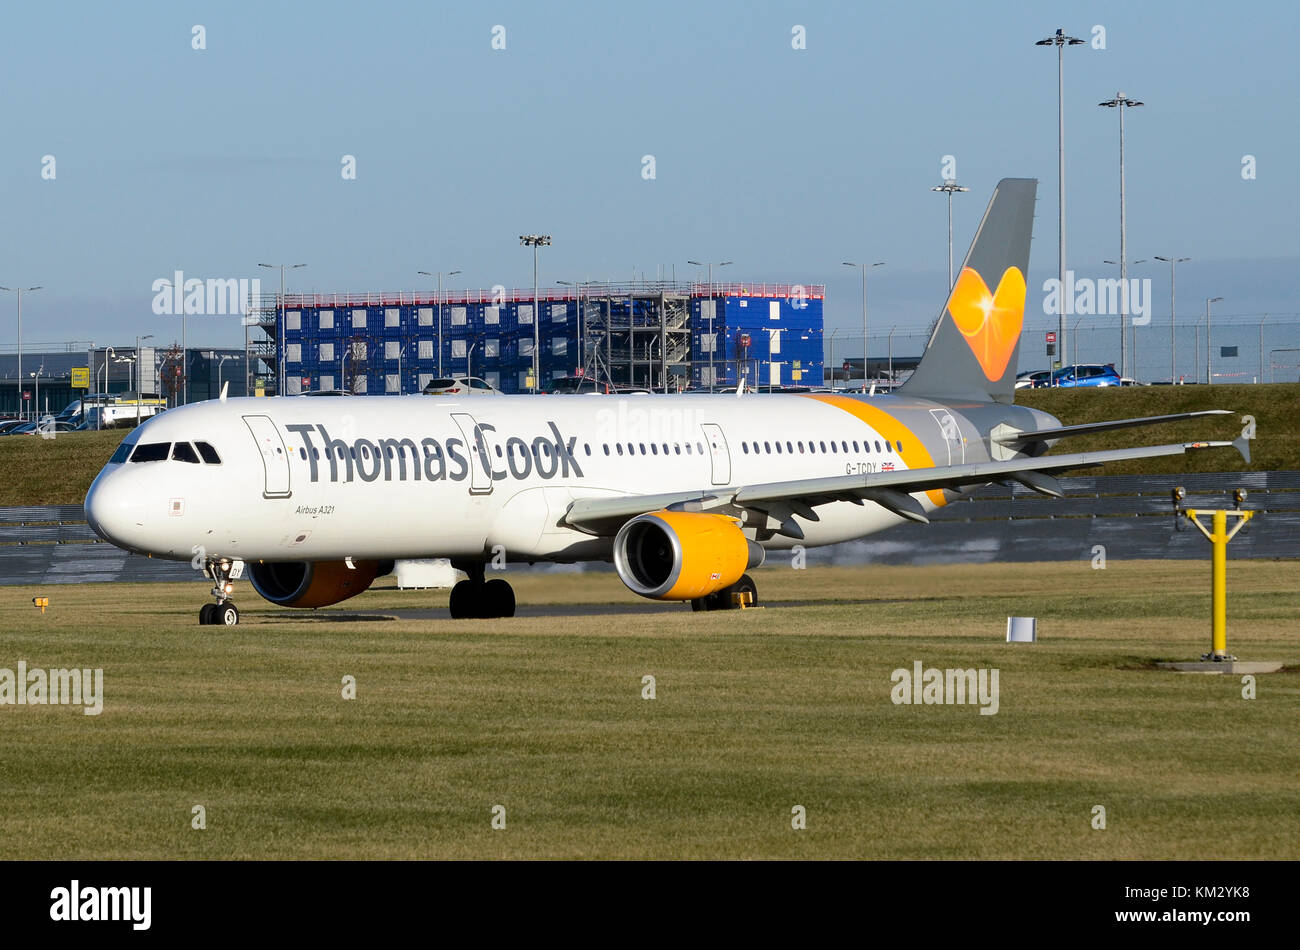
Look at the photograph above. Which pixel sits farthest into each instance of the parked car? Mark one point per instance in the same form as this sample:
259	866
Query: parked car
1081	374
460	386
1031	378
578	384
10	424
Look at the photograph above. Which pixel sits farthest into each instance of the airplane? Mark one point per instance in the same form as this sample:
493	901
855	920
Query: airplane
684	493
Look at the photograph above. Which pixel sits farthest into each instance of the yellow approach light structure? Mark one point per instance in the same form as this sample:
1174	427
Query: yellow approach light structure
1218	535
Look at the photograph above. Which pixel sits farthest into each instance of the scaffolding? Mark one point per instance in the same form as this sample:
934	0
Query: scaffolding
636	336
261	345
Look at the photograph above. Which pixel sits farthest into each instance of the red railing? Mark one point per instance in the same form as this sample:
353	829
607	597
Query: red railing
500	295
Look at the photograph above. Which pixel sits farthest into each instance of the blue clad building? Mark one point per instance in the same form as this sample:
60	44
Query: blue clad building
651	335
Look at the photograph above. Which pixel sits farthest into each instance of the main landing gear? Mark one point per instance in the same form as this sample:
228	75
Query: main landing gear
476	598
743	591
223	613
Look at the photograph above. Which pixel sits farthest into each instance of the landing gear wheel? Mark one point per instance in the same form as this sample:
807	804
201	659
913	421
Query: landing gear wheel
745	585
206	615
497	599
699	604
462	601
225	615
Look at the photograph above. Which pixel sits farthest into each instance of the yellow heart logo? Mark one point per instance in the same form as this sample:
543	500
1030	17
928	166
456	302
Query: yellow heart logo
990	322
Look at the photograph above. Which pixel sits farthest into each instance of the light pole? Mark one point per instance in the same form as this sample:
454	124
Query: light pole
36	401
535	241
438	274
108	351
832	360
1123	315
212	355
283	321
949	187
1121	102
864	315
713	309
1060	41
582	336
1261	348
139	374
1173	263
1209	376
20	291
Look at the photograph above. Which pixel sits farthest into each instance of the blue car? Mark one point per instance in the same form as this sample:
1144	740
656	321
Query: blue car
1082	374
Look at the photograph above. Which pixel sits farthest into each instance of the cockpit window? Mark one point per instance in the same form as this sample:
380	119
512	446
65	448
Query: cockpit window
151	452
208	452
184	452
121	452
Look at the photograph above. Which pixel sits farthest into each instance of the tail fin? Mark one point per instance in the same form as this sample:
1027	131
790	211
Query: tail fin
973	351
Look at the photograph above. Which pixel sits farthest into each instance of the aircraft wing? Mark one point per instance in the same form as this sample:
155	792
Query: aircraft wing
893	490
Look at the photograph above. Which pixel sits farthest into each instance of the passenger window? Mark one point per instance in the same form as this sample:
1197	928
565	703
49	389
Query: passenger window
767	447
605	446
688	448
619	446
877	445
654	449
151	452
855	445
700	446
801	448
745	447
899	443
778	448
586	447
833	446
208	453
823	445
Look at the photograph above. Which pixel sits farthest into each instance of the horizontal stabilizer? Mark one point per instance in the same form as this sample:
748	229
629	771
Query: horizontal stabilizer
1087	428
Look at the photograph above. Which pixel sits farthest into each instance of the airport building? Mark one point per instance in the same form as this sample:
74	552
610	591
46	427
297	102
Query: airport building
660	336
47	383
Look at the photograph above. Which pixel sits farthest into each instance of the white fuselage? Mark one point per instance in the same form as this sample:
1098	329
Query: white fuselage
314	479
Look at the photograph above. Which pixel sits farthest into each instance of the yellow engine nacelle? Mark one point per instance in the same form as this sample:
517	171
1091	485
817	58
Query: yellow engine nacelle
682	555
314	583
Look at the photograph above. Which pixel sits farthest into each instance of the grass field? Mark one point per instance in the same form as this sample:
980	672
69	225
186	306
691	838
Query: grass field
755	712
59	471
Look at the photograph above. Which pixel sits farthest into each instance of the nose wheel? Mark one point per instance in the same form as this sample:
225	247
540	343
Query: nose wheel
223	613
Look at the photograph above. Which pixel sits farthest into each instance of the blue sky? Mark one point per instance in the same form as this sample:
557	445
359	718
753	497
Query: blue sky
786	161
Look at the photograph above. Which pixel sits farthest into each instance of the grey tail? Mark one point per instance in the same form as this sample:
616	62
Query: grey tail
974	349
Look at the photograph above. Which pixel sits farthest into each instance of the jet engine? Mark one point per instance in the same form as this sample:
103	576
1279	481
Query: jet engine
314	583
682	555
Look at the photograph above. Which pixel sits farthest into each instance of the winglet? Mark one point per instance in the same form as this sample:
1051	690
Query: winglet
1242	445
224	388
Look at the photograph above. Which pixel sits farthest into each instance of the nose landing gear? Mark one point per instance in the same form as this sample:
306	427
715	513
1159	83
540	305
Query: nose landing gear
223	613
478	599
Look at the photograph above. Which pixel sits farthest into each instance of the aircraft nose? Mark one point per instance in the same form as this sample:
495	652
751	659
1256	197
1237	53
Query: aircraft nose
113	510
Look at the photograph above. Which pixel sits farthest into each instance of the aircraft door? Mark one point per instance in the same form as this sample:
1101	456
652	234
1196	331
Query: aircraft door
719	457
275	458
951	434
479	449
